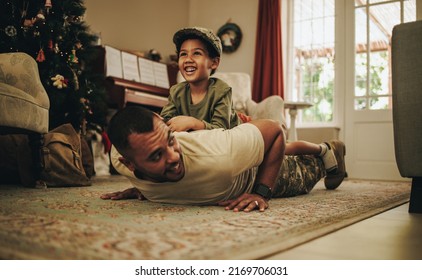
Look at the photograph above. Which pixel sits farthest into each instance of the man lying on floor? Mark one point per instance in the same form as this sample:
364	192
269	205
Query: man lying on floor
240	168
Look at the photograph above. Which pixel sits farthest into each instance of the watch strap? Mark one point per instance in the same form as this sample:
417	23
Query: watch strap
263	190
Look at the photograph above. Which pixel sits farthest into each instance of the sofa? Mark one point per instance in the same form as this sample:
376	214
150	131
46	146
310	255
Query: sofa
24	107
406	62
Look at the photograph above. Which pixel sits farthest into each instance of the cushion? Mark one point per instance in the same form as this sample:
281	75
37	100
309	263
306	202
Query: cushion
24	102
241	88
21	110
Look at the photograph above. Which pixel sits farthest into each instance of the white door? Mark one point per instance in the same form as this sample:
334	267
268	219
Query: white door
370	144
368	109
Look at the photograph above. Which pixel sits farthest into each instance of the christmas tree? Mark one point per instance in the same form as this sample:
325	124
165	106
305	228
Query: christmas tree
55	34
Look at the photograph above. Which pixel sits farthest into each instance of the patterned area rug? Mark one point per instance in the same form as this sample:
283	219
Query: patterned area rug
74	223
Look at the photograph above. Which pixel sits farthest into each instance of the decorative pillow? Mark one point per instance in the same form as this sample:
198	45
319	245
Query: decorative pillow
241	88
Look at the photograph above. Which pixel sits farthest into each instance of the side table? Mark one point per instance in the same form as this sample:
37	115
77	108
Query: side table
293	106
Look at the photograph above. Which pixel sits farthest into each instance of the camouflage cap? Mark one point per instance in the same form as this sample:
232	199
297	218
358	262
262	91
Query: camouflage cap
203	33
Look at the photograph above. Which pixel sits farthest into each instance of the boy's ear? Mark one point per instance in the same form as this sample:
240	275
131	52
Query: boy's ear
215	63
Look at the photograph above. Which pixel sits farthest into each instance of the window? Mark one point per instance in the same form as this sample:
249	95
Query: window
311	78
374	22
311	55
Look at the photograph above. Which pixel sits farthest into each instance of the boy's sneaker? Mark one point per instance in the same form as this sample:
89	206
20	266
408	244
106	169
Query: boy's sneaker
335	177
328	157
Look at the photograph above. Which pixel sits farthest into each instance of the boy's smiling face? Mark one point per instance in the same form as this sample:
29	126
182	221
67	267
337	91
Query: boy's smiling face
195	64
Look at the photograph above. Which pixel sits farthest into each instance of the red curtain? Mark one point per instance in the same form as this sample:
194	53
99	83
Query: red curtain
268	70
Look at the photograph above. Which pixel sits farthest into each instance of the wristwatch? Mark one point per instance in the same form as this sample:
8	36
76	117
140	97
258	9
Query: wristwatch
263	190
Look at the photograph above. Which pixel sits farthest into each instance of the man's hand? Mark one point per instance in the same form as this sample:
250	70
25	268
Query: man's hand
126	194
246	202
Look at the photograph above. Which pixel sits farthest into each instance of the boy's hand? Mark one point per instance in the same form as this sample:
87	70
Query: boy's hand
244	118
185	123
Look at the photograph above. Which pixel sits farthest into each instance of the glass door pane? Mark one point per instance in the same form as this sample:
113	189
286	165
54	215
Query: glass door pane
374	22
313	63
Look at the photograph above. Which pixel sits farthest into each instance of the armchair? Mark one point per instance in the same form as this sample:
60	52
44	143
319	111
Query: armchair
24	103
407	103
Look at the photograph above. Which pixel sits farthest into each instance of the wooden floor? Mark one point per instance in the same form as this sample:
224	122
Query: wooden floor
392	235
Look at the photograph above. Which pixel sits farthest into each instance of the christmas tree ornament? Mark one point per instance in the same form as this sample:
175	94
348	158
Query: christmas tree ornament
40	18
78	45
59	81
56	48
72	57
48	6
50	45
29	22
40	56
10	31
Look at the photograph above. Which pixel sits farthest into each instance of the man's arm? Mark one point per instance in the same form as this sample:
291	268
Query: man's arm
274	146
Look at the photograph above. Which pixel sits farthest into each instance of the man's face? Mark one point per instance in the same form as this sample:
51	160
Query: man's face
155	156
194	61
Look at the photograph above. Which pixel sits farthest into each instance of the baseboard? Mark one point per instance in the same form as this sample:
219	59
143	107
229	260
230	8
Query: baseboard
318	134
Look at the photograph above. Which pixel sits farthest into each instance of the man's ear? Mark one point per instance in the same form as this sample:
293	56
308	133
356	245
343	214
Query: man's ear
127	163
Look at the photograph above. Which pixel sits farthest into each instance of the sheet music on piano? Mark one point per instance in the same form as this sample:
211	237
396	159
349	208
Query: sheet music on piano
161	75
130	67
146	70
132	78
113	65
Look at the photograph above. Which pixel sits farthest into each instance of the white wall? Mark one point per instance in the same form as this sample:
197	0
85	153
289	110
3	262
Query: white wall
214	14
141	25
138	25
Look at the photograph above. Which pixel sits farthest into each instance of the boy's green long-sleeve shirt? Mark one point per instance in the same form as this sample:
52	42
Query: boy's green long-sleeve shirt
215	110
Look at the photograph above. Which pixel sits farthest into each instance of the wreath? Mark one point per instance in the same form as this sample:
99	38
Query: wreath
230	36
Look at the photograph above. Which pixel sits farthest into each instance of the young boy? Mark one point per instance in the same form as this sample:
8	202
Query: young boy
205	102
200	102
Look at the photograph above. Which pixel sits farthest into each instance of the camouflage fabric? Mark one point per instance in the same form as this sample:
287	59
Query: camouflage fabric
298	175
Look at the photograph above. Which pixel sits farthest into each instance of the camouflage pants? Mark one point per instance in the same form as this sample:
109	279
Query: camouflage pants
298	175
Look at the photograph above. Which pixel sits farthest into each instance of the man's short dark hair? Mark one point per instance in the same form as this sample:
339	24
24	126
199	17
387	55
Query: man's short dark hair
131	119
